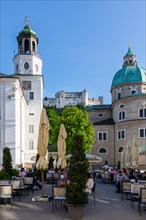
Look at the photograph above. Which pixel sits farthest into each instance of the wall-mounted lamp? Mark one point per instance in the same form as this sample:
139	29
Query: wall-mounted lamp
11	96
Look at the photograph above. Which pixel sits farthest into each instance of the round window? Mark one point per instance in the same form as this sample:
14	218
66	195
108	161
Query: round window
26	65
100	115
122	106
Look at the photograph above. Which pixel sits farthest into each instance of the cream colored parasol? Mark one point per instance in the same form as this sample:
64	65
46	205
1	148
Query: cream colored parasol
91	158
61	144
134	152
123	157
43	139
128	154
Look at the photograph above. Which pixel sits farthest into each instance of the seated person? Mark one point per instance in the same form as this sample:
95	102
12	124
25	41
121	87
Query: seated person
89	184
120	176
144	175
64	180
51	170
22	173
35	178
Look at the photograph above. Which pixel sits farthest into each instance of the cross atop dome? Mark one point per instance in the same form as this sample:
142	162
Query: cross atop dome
26	21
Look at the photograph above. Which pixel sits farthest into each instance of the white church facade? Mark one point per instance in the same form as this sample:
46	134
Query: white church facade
21	100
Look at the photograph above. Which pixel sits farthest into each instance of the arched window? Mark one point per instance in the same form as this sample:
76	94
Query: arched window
102	150
26	46
142	113
33	46
122	115
120	149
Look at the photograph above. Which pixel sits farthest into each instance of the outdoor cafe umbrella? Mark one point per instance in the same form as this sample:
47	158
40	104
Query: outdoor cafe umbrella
128	154
42	145
123	157
135	151
61	144
91	158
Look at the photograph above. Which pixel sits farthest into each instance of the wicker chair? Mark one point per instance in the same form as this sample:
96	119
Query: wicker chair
6	192
58	195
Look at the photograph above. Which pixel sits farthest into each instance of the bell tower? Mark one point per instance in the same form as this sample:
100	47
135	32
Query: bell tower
28	67
27	60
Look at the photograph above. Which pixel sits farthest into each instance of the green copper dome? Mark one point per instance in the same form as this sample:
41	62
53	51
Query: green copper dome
27	30
129	74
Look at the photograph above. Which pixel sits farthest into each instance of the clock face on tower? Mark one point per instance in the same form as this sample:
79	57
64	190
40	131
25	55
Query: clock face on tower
26	85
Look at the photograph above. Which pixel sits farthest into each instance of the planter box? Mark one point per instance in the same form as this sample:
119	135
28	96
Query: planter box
74	212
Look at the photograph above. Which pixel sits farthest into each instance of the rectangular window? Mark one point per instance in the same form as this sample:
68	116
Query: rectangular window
121	134
142	113
31	128
31	95
0	136
142	132
102	136
0	113
133	91
31	145
119	95
31	113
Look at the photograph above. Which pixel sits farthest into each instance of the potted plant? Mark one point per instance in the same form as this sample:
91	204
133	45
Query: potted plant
76	197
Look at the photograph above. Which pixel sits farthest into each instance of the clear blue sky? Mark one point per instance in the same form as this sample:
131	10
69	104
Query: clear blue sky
82	43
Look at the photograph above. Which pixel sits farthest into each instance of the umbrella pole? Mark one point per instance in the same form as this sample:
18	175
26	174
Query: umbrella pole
42	192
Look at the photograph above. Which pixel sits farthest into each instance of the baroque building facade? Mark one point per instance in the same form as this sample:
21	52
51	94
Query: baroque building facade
120	128
21	100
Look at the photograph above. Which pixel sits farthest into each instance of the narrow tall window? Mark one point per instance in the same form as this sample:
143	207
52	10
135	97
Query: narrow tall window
122	115
102	136
142	113
31	145
26	46
31	95
120	134
33	46
31	128
142	132
119	95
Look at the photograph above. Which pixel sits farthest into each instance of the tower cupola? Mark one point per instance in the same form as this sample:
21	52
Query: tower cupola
129	58
27	40
27	60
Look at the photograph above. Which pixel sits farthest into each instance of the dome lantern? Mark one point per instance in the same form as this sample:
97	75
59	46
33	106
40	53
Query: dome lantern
129	58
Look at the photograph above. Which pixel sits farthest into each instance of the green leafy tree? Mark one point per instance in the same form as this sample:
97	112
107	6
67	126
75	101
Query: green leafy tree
7	161
78	169
74	120
55	121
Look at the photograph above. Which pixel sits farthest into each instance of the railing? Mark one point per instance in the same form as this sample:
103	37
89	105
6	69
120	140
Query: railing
27	53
